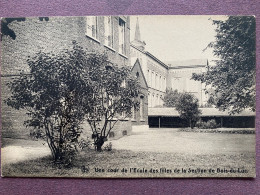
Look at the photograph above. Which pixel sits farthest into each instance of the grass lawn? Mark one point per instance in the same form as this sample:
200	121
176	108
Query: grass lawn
147	164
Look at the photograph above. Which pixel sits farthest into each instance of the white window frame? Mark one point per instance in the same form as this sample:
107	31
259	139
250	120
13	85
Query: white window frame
92	27
121	36
148	77
108	31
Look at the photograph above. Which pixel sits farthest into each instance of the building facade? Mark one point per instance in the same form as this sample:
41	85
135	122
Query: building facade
155	71
140	116
179	78
102	34
174	75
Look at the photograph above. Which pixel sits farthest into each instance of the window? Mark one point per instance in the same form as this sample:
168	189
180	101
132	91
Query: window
149	100
108	24
148	78
160	83
156	81
153	79
92	30
153	101
141	108
133	114
110	104
111	134
164	84
121	36
123	115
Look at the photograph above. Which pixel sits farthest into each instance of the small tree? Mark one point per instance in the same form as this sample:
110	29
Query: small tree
63	88
171	98
188	108
55	94
115	92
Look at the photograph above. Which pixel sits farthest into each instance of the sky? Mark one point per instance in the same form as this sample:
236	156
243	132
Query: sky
175	38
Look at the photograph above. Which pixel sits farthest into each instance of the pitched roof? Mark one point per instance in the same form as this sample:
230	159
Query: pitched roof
171	112
187	63
156	59
150	55
176	64
137	64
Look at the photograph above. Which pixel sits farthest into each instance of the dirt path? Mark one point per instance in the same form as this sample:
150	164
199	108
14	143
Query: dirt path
13	154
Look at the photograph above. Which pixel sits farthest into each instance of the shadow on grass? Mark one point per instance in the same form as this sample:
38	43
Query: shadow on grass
90	163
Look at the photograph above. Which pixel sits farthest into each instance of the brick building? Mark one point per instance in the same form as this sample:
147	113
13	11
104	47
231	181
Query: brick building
103	34
140	117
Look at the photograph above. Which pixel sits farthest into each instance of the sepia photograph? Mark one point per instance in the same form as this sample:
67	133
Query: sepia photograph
139	96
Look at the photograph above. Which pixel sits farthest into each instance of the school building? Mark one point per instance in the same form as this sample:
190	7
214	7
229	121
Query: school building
102	34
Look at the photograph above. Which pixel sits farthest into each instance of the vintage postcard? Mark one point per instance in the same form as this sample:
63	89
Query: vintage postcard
128	96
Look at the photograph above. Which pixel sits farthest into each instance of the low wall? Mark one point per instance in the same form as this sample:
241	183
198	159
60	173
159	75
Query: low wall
225	122
121	128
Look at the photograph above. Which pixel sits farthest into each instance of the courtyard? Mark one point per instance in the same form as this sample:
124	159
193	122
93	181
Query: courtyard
153	149
175	141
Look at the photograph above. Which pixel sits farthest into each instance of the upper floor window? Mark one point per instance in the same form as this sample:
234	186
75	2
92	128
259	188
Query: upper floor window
153	80
121	36
156	81
109	37
92	29
148	77
164	83
160	83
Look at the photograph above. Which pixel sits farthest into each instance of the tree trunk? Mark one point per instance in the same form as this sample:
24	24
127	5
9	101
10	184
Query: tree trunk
99	148
99	143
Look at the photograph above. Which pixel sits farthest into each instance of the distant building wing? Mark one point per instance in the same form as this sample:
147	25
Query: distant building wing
188	63
172	112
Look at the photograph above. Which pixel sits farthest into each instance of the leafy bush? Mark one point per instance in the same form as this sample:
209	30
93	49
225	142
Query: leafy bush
210	124
84	143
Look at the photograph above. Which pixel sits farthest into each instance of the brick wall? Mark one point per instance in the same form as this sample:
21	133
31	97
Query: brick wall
138	120
33	35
